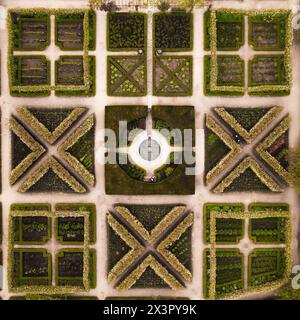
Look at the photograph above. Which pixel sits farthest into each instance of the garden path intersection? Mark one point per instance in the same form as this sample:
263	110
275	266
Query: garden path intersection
187	235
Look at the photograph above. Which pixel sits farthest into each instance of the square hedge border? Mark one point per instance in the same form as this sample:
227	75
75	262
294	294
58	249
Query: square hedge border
282	75
280	20
16	74
45	90
80	207
92	260
119	182
172	75
92	79
17	30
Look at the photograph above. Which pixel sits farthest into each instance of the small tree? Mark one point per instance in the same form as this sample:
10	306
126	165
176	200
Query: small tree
190	4
103	5
163	6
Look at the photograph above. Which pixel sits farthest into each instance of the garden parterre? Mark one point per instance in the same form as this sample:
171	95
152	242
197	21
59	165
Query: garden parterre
226	275
30	266
50	125
224	145
70	134
268	30
29	31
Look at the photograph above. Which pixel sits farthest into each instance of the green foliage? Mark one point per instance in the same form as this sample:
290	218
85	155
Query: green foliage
173	31
230	31
267	32
229	231
69	31
266	265
294	168
126	31
267	70
234	75
126	76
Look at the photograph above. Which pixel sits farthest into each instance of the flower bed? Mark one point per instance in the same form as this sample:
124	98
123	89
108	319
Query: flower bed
267	268
128	178
267	70
266	265
126	76
69	31
173	76
268	30
70	229
32	267
126	31
229	271
230	30
228	231
173	31
69	266
31	71
224	147
270	229
31	32
229	75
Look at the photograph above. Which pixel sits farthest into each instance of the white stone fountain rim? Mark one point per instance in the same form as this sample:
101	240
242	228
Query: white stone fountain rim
136	158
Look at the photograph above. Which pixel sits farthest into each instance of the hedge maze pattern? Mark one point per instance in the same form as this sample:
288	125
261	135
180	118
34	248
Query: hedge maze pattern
267	227
137	250
242	129
57	172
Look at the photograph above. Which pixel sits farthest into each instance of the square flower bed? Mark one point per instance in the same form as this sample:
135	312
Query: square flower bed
126	31
173	31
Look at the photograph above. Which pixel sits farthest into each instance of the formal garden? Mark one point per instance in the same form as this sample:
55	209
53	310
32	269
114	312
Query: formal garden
212	218
242	128
169	175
